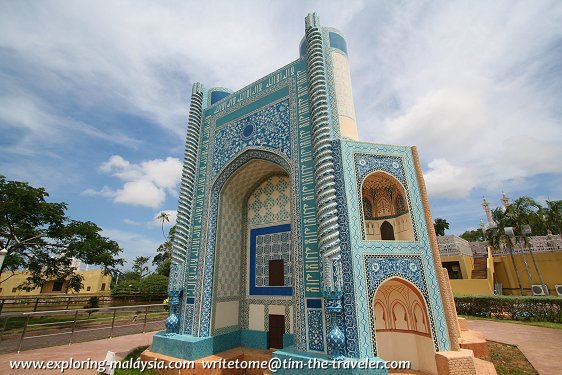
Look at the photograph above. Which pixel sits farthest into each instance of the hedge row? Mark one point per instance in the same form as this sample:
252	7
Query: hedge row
540	309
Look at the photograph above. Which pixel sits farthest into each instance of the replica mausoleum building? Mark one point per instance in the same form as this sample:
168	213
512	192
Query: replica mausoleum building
294	235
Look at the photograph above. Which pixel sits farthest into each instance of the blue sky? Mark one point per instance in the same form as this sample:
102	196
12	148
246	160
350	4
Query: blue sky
94	97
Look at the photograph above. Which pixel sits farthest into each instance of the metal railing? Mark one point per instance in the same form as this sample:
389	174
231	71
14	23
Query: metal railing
39	329
18	304
537	244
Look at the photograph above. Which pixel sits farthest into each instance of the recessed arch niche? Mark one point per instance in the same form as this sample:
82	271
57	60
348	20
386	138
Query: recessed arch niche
254	207
402	325
385	212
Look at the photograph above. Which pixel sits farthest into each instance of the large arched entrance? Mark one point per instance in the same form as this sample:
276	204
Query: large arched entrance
402	325
253	270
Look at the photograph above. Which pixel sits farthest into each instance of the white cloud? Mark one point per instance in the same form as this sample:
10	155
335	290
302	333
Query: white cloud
133	244
104	192
142	193
446	180
474	86
41	126
145	184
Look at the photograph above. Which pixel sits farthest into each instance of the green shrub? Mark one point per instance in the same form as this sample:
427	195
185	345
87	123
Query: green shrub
539	309
93	303
151	284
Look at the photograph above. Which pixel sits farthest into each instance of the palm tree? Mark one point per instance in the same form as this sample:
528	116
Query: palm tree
440	225
552	216
163	217
498	238
524	211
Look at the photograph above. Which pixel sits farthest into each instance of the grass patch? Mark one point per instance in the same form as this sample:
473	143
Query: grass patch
525	322
134	355
509	360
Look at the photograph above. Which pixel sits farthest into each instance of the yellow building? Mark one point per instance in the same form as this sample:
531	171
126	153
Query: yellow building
474	269
468	274
543	260
95	282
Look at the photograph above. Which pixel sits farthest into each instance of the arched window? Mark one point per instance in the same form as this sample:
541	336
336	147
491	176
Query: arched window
385	209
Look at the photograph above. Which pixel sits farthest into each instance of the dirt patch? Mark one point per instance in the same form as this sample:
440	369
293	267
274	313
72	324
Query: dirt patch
509	360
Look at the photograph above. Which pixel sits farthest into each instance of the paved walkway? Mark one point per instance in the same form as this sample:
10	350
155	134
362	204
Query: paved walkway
541	346
94	350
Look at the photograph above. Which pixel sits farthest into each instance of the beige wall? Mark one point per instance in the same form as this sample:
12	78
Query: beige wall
466	264
402	326
400	346
403	229
94	279
256	318
500	269
467	285
475	286
344	96
228	316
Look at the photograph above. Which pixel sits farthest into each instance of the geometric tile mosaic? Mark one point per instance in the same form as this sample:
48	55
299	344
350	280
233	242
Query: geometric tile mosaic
267	127
315	330
271	247
270	202
360	160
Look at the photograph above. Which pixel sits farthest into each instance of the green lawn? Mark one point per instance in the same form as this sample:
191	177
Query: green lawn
525	322
134	354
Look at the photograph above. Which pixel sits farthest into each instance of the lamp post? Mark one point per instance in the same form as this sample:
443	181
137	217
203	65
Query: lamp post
511	234
526	230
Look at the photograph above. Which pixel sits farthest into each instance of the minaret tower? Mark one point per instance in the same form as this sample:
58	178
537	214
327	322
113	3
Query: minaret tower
505	200
488	211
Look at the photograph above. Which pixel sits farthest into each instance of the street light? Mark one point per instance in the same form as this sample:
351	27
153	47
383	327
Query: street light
511	233
526	229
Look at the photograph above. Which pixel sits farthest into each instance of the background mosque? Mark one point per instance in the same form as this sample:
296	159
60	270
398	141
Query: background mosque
294	235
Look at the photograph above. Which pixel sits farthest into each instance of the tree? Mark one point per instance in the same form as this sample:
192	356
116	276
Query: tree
127	276
41	239
473	235
552	216
140	267
163	260
440	225
523	211
163	217
151	284
93	303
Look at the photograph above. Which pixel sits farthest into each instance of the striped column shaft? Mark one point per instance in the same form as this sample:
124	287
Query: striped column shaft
328	229
187	189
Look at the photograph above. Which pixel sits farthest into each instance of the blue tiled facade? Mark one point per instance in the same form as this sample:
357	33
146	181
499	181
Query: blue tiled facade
268	126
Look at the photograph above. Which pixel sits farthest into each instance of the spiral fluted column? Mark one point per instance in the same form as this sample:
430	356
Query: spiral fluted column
328	228
187	189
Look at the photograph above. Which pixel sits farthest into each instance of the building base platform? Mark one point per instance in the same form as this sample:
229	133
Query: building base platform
252	361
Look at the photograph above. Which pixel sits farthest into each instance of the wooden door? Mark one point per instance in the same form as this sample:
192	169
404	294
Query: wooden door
276	331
